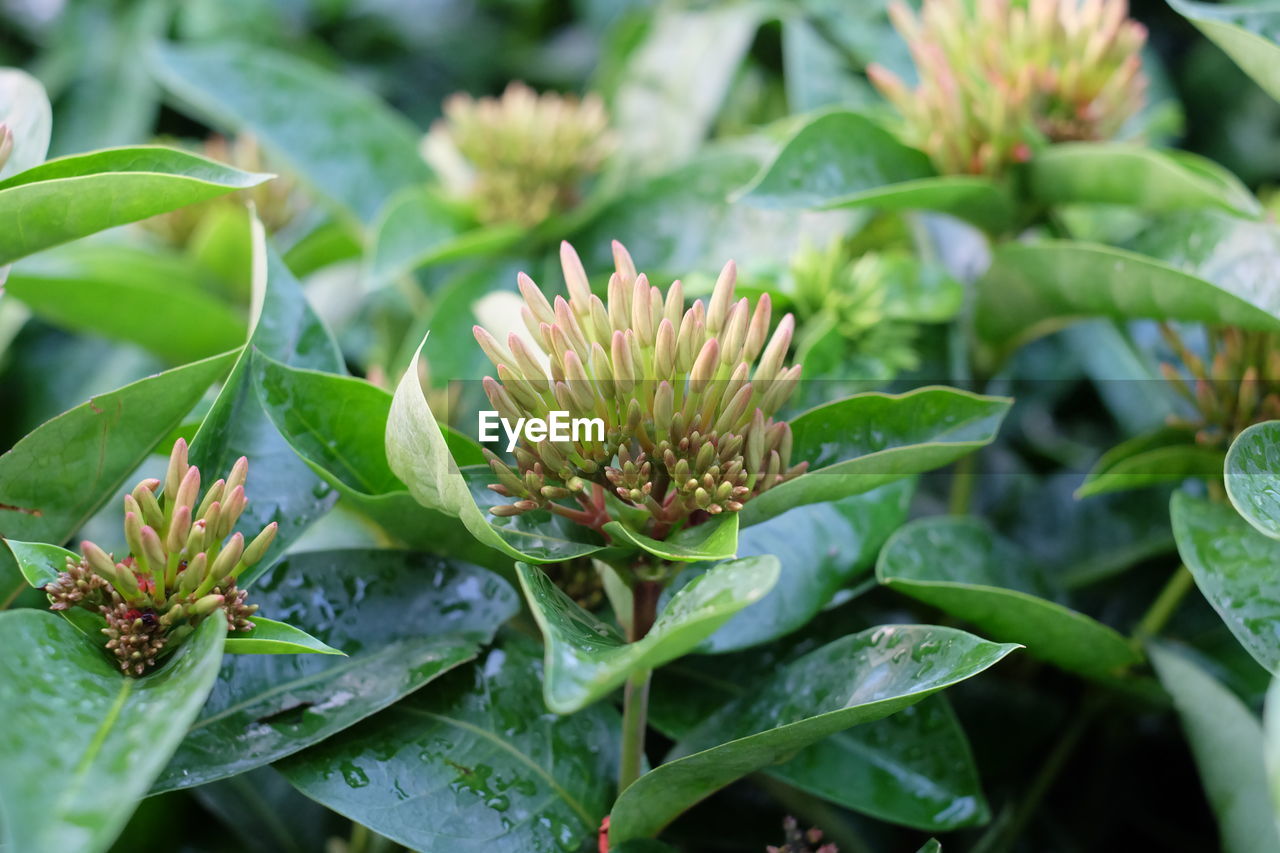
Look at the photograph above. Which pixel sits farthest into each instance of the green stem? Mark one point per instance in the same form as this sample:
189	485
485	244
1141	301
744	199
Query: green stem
963	478
635	702
1163	608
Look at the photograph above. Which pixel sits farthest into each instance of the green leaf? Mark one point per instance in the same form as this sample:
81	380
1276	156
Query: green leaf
933	845
1233	254
960	566
856	679
1226	740
417	229
1031	290
39	563
155	300
843	159
1248	34
57	476
403	618
347	144
1271	735
821	547
1235	567
1253	476
480	755
24	107
269	637
419	455
587	658
713	540
75	196
111	741
864	441
282	488
1168	455
1127	174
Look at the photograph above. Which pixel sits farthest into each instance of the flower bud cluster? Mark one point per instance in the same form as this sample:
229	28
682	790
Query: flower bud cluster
521	157
1238	386
182	565
687	396
999	78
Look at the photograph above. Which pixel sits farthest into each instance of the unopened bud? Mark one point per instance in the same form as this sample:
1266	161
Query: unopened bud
258	547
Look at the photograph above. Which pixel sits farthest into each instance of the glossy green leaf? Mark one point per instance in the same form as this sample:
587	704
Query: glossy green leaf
913	768
864	441
155	300
24	107
283	488
341	139
270	637
419	455
960	566
478	753
843	159
56	477
587	658
1233	254
1253	476
1226	740
820	547
1127	174
39	563
402	618
713	540
417	228
1248	34
933	845
1271	736
1033	289
856	679
1168	455
76	791
1235	567
75	196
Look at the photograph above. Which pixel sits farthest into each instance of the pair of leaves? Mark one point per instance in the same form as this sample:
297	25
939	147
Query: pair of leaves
1167	455
960	566
856	679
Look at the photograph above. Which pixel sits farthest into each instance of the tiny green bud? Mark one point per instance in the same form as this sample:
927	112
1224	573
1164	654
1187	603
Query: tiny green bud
206	605
178	466
258	547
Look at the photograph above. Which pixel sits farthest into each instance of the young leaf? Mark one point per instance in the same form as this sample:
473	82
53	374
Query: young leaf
714	540
24	107
1248	34
864	441
270	637
39	563
1235	567
404	619
587	658
862	164
959	565
76	789
347	144
480	755
1167	455
1226	740
1253	476
75	196
856	679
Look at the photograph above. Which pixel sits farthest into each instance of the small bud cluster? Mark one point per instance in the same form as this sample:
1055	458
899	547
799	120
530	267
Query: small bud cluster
686	396
999	78
520	157
800	842
6	143
181	565
1238	386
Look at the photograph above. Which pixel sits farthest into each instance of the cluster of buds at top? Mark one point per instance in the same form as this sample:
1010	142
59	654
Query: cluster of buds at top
686	397
521	157
1000	78
801	842
181	565
1238	386
6	143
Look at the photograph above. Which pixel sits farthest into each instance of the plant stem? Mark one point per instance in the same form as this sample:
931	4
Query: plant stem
963	478
635	702
1163	608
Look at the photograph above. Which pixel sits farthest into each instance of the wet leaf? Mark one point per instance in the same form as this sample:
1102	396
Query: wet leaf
587	658
1253	476
402	619
1168	455
480	755
1248	34
960	566
24	107
347	144
713	540
39	563
77	793
864	441
1235	567
72	197
856	679
1226	740
270	637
